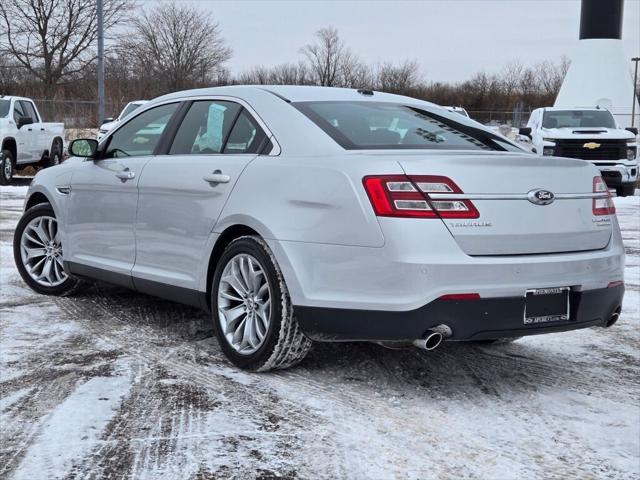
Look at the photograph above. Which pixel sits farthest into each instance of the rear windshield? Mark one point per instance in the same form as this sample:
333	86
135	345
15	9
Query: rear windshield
4	108
380	126
578	119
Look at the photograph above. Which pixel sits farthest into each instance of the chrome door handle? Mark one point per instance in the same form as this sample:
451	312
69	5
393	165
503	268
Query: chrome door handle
217	177
125	175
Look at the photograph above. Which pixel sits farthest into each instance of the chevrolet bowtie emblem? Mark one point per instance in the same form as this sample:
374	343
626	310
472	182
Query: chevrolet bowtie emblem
591	145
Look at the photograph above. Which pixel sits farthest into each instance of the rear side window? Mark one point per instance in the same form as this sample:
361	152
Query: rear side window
372	125
246	136
205	128
140	135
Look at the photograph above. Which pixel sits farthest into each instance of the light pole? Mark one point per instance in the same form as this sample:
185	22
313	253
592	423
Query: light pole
100	61
635	86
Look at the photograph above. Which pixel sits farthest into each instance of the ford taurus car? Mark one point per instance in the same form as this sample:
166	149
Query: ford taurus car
301	214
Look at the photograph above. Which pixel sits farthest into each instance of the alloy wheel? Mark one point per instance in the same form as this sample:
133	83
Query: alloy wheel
244	303
41	251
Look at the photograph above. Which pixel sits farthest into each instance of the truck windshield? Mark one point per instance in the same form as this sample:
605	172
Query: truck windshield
578	119
128	109
388	126
4	108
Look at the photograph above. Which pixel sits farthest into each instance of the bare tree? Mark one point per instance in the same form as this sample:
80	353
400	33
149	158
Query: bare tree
401	78
54	39
178	45
326	56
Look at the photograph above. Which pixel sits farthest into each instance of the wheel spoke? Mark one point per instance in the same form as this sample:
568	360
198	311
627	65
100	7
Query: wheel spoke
33	239
41	232
34	252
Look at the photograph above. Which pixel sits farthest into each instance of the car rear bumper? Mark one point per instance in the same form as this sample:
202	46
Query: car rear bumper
480	319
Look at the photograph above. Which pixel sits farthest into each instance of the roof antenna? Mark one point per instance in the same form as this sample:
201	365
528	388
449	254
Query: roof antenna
363	91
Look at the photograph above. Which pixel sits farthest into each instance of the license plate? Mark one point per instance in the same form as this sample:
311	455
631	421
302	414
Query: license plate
543	305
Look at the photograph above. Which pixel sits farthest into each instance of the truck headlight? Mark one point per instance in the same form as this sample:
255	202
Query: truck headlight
548	151
631	153
552	140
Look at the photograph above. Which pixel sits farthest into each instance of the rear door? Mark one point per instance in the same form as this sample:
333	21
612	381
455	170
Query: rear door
101	216
510	221
183	191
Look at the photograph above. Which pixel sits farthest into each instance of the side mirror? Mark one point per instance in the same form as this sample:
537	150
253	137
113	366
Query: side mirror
526	131
108	120
633	130
83	147
22	121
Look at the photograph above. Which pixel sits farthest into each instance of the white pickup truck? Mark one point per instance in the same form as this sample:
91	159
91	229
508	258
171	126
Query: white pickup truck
25	138
590	134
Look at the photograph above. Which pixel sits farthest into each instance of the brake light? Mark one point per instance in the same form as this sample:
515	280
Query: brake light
460	296
602	206
617	283
408	196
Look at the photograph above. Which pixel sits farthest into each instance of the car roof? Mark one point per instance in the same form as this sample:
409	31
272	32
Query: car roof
298	93
13	97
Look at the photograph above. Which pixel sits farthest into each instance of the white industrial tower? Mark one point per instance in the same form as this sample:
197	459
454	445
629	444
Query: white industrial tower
600	72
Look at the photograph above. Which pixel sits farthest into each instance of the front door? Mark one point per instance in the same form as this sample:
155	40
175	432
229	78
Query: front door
183	192
104	196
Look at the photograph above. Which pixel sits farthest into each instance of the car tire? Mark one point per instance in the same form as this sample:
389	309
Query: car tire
55	156
251	309
37	231
7	167
626	190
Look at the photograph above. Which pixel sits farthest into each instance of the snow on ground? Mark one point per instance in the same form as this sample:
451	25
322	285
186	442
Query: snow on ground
114	384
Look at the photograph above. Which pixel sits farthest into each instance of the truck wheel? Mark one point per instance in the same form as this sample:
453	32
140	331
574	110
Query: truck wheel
252	312
627	190
55	157
6	167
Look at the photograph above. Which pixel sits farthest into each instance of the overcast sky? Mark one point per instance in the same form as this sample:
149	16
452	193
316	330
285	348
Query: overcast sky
451	40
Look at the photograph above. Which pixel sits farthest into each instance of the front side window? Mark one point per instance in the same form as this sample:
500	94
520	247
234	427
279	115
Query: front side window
5	105
578	119
371	125
140	135
18	111
29	110
205	128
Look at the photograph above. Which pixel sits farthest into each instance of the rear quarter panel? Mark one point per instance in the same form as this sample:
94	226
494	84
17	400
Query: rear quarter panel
308	199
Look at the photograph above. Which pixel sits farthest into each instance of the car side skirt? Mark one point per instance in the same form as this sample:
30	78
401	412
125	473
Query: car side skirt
186	296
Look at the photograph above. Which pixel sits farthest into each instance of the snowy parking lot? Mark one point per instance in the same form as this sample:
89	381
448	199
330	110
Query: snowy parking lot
114	384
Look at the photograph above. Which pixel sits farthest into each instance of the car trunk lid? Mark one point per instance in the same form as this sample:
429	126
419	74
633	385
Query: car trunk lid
512	220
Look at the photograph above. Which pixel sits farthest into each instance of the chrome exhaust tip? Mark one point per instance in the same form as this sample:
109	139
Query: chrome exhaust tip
614	318
434	337
430	342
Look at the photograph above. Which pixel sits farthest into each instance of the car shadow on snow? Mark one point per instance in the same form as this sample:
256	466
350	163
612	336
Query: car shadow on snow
455	368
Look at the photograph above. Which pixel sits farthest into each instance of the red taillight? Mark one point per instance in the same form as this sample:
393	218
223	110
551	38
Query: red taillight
602	206
408	196
460	296
617	283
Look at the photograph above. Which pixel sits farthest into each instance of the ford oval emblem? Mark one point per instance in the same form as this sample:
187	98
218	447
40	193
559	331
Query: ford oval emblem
541	197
